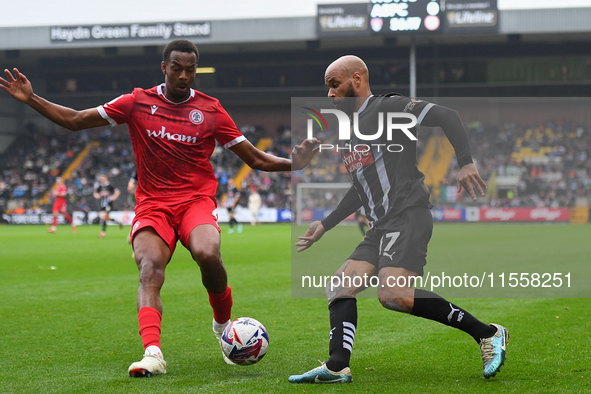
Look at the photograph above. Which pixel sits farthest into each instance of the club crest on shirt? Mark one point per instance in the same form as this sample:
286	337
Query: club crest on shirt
196	116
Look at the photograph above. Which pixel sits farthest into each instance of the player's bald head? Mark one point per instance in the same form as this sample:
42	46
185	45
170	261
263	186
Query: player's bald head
347	66
347	77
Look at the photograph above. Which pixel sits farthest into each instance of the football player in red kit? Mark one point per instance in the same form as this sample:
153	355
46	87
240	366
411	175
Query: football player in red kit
60	205
173	130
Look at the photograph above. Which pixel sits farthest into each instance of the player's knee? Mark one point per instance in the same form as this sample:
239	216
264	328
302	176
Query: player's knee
208	256
398	299
396	304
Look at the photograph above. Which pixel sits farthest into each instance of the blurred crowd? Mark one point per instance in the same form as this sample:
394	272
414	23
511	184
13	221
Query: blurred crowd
554	173
33	161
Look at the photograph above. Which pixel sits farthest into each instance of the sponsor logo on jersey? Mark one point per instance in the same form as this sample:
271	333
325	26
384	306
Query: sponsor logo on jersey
154	109
196	116
162	133
410	106
357	159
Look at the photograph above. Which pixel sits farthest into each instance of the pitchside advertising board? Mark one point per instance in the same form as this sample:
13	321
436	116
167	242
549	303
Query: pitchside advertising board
474	214
272	215
471	214
243	215
407	17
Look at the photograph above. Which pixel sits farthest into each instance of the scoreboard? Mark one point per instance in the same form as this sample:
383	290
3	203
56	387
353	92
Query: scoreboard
405	16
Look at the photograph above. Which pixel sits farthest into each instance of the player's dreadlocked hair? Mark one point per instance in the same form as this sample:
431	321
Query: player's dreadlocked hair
179	46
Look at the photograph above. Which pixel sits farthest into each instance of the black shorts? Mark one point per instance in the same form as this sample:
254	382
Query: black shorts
108	207
403	244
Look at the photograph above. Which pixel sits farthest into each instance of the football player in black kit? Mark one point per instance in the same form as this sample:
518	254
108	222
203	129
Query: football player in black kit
387	183
231	199
106	193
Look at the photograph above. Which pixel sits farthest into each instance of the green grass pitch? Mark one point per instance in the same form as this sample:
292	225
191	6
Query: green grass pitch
73	328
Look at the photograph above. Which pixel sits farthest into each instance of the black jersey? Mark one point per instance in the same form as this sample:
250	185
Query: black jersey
384	172
232	197
105	190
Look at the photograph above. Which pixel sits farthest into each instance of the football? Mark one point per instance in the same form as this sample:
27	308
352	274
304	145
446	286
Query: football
245	341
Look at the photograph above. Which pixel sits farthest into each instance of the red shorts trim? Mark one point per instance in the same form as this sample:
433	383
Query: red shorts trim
174	223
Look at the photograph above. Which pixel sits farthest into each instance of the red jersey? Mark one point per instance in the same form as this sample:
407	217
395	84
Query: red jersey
173	142
60	192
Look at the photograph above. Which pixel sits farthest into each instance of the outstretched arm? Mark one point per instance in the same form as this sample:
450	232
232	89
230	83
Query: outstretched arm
454	130
19	87
263	161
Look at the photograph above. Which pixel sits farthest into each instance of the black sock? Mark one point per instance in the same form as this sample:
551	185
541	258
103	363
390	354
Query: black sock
233	222
104	223
343	323
431	306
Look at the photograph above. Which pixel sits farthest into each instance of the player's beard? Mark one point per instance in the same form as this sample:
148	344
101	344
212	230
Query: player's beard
347	104
174	94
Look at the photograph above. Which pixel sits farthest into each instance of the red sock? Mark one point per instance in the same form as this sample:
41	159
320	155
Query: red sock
149	319
222	305
54	223
68	218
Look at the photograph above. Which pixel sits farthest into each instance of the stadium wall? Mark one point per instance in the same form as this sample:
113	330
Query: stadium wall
302	28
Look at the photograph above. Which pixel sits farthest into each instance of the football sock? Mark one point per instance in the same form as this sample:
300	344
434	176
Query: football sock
233	222
54	223
222	305
343	323
104	224
218	326
68	218
149	319
429	305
